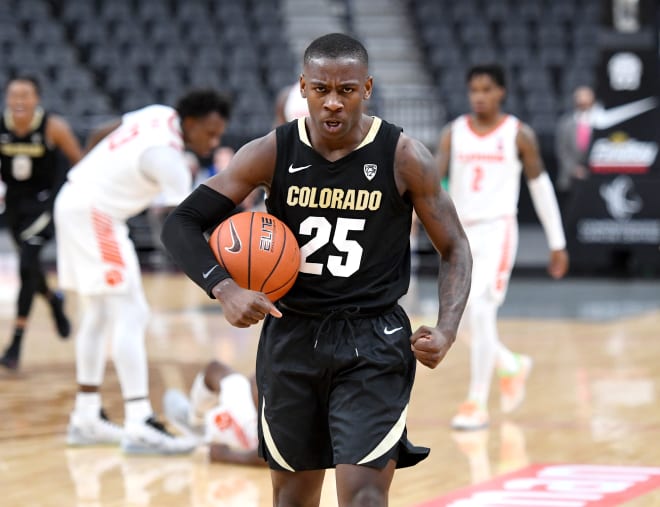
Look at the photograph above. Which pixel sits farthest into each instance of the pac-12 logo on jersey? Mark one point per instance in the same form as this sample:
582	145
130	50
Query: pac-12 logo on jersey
370	171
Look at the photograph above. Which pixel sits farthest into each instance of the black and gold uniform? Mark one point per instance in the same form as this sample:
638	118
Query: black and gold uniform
340	356
28	166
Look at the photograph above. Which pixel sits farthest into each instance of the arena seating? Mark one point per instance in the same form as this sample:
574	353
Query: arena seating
547	47
100	58
96	59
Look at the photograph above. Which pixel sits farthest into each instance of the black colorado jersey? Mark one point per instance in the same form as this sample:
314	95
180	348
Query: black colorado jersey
351	223
27	163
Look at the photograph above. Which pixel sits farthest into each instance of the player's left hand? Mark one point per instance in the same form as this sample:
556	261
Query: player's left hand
558	266
430	345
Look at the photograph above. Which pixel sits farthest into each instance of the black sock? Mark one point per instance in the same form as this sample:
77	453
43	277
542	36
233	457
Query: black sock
14	348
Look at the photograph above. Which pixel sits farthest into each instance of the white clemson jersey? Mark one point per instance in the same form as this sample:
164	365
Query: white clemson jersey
484	171
141	159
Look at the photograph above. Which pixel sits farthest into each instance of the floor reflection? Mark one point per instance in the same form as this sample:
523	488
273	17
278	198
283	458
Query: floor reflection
104	477
509	452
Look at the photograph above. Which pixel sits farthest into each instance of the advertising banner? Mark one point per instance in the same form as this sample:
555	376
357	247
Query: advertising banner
614	216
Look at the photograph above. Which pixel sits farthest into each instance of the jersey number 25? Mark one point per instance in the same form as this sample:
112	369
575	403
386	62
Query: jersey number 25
321	231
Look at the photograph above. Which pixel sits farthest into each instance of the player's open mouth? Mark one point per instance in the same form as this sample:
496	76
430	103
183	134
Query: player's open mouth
332	124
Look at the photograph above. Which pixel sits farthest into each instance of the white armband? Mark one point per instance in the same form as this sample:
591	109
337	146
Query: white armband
547	209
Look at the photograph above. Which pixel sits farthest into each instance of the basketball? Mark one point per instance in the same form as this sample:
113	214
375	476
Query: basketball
259	251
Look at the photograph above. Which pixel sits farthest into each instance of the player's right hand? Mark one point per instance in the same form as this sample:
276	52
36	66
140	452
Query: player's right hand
558	265
243	307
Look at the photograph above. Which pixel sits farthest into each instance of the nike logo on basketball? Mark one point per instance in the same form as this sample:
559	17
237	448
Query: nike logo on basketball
206	275
235	240
296	169
392	331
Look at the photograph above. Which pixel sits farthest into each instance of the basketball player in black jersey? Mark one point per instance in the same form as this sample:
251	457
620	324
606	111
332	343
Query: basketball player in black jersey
29	137
337	355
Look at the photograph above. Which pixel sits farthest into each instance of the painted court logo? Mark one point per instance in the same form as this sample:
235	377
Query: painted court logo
557	486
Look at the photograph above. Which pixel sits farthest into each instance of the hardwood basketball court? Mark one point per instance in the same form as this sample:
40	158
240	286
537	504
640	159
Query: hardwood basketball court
592	399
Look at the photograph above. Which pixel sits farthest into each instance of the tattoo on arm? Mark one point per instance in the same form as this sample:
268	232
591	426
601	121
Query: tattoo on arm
438	215
454	273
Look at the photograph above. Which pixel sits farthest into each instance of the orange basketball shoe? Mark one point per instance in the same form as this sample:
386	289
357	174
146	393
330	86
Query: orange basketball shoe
513	383
470	416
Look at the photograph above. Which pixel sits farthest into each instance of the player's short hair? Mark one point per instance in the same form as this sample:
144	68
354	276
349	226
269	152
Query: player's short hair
495	71
336	45
200	102
25	77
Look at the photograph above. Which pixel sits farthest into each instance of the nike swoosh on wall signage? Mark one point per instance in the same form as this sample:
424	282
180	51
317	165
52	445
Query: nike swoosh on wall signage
296	169
606	118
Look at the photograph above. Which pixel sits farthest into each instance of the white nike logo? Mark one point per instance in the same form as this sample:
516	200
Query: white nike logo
606	118
392	331
206	275
296	169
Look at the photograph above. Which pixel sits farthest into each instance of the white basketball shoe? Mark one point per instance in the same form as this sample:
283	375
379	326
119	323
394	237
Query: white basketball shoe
513	384
151	437
93	431
177	409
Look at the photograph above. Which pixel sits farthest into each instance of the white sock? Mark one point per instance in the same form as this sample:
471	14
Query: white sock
484	347
88	405
202	398
236	393
137	410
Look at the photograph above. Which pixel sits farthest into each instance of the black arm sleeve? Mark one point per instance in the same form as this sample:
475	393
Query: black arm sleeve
183	235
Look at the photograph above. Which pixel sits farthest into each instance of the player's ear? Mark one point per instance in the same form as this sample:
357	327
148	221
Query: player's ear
368	87
303	89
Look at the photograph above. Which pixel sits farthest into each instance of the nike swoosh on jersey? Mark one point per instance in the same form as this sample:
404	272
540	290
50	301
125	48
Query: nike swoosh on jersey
206	275
235	240
392	331
296	169
613	116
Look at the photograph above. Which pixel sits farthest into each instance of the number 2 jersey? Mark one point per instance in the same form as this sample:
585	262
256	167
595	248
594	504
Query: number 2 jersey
351	223
140	160
484	171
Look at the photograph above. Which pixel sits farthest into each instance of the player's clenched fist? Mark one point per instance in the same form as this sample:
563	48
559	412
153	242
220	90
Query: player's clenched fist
430	345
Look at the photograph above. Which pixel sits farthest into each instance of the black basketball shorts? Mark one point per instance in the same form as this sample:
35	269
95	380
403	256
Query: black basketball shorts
335	390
